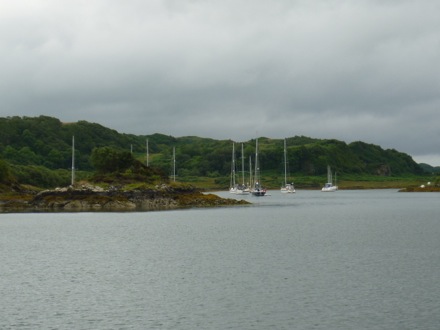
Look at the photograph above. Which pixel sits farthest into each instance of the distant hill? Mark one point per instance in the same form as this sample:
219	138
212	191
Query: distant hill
46	141
430	169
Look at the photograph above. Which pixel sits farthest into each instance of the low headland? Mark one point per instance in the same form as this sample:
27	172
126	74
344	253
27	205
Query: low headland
86	198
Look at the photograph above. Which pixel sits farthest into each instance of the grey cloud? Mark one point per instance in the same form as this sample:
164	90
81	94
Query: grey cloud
364	70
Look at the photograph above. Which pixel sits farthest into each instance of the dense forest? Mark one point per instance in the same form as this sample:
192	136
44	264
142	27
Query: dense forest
38	150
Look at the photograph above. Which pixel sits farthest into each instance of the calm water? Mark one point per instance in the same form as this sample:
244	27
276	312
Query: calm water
313	260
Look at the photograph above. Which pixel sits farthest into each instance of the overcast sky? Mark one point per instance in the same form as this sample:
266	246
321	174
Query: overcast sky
365	70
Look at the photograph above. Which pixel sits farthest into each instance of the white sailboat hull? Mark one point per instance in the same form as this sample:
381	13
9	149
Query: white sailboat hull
329	187
242	192
288	189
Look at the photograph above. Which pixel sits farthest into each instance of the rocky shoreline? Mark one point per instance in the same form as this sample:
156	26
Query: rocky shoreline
420	189
91	198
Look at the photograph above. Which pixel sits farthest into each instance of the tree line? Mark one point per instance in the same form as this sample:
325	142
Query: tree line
45	144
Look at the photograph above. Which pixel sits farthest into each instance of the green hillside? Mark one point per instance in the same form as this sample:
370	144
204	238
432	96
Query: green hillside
41	147
430	169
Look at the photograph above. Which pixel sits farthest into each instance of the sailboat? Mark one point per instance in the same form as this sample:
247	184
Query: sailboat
174	164
248	188
287	187
329	185
233	185
258	189
242	189
73	161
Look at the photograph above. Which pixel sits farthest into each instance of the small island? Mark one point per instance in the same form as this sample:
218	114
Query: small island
429	187
121	183
86	198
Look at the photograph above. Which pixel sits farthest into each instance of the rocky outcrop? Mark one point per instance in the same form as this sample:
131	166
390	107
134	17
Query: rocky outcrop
421	189
383	170
95	199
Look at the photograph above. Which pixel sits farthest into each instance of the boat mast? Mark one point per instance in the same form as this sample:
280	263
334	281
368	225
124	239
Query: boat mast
147	154
242	164
285	164
174	164
233	166
251	183
329	175
256	173
73	161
